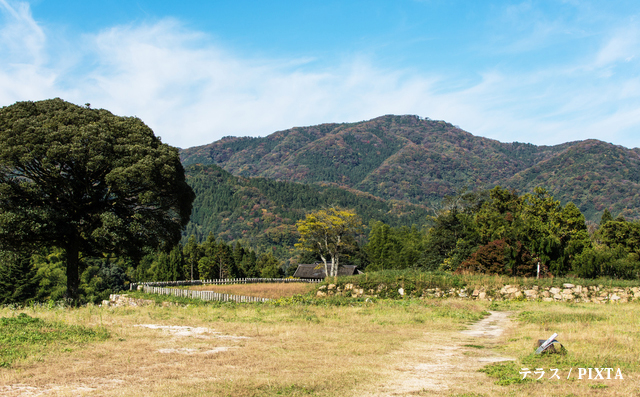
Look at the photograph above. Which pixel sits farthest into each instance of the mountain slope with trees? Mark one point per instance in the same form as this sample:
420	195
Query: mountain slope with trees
261	213
421	161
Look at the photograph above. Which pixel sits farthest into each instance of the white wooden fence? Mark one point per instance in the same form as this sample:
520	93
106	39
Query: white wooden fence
163	288
134	286
203	295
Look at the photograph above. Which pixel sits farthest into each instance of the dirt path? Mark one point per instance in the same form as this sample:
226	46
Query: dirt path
442	367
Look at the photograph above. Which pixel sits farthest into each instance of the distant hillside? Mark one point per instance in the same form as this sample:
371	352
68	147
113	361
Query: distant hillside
420	161
261	213
592	174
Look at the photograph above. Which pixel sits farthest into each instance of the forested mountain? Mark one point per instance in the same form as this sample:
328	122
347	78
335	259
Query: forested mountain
408	158
261	213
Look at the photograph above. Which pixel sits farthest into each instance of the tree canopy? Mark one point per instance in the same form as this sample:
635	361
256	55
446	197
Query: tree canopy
329	233
492	232
88	182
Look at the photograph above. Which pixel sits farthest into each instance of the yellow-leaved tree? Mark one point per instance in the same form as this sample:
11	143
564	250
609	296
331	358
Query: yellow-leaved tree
329	232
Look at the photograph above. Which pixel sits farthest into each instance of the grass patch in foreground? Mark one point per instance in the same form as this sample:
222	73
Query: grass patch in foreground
23	336
547	318
507	373
595	336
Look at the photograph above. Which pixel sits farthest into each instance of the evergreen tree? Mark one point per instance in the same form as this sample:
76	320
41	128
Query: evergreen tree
226	263
160	267
18	278
51	273
102	277
453	238
192	253
249	265
622	234
394	248
208	266
269	266
143	272
606	217
176	264
238	253
382	247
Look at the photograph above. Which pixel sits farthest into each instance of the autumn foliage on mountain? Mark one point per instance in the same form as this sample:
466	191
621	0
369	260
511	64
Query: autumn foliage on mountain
421	161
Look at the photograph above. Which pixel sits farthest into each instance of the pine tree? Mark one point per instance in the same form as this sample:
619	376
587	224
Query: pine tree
176	264
192	253
269	266
18	278
606	217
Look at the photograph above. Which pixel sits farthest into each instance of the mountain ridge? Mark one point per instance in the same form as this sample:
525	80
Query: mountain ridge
421	161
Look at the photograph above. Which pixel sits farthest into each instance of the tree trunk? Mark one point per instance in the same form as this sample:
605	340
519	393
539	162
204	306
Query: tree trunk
73	264
326	266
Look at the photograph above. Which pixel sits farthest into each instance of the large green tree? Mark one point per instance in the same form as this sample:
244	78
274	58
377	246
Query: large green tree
88	182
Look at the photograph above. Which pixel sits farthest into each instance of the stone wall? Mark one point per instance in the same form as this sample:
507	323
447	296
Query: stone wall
568	293
117	300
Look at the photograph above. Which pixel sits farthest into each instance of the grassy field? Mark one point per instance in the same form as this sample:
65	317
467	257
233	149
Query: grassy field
595	336
319	349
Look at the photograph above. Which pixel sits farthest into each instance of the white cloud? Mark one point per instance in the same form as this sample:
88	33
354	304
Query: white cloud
193	91
194	95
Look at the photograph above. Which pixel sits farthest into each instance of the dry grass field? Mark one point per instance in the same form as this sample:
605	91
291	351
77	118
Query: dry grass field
271	291
595	336
381	348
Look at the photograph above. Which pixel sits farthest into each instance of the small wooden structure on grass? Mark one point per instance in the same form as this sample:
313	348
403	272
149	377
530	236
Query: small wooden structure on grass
315	271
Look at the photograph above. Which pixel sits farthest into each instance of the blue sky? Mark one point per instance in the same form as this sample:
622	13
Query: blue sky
543	72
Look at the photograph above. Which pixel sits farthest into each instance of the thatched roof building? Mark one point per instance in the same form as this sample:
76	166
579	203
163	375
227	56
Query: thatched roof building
316	271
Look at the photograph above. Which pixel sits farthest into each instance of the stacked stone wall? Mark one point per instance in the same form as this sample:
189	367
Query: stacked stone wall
566	293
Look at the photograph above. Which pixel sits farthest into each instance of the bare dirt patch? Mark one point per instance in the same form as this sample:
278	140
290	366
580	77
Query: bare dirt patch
491	327
181	330
444	364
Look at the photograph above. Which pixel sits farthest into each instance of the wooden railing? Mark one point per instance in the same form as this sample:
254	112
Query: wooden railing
203	295
163	288
134	286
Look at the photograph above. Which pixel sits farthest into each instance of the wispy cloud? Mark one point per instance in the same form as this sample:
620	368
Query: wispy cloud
191	90
23	73
20	35
623	46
